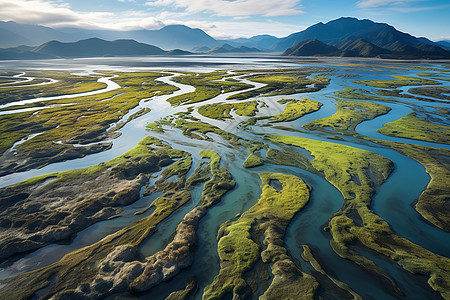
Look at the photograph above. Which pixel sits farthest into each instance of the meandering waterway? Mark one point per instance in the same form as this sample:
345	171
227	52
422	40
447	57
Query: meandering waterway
392	201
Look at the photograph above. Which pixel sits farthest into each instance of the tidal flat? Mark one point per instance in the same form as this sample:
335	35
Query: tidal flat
225	178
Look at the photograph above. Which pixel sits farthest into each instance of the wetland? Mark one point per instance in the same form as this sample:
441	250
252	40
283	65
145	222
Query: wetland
205	177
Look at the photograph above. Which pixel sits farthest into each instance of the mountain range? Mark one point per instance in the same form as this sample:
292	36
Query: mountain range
353	37
13	34
345	36
95	47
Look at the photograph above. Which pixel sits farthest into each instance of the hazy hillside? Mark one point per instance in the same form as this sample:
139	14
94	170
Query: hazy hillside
13	34
226	48
169	37
263	42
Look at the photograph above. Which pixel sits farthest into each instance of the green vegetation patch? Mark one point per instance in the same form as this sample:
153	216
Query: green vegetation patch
67	84
412	127
433	204
400	94
253	161
285	82
296	109
349	114
351	93
80	266
400	81
192	127
220	111
87	120
239	251
78	197
435	92
207	86
354	171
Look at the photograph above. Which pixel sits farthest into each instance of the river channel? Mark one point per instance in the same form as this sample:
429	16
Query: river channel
392	201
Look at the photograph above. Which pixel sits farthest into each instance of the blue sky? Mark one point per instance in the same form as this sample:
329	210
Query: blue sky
230	18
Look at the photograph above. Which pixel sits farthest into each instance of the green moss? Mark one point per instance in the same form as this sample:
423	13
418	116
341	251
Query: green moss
222	111
400	94
67	84
213	156
433	203
191	129
351	93
238	251
138	153
343	166
435	92
349	114
400	81
80	266
285	82
417	79
207	86
253	161
296	109
412	127
346	168
86	121
83	261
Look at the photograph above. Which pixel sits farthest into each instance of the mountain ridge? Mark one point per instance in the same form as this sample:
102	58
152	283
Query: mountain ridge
96	47
351	36
168	37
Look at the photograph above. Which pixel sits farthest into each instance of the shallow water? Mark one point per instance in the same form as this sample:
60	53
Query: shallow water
392	201
110	86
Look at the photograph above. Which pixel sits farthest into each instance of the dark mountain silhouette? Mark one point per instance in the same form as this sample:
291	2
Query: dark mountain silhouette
361	48
339	30
444	44
97	47
93	47
178	52
312	47
365	38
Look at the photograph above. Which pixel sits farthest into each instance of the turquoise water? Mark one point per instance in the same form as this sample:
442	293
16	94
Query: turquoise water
392	201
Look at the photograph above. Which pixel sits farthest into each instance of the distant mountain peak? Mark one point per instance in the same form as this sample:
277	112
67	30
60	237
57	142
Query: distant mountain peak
96	47
367	37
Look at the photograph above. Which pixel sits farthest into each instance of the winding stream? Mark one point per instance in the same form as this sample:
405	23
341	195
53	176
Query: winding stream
392	201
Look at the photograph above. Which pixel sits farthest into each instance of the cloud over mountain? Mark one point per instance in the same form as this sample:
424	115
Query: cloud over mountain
234	8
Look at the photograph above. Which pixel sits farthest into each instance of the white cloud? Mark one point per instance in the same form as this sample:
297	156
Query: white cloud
234	8
55	13
58	14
